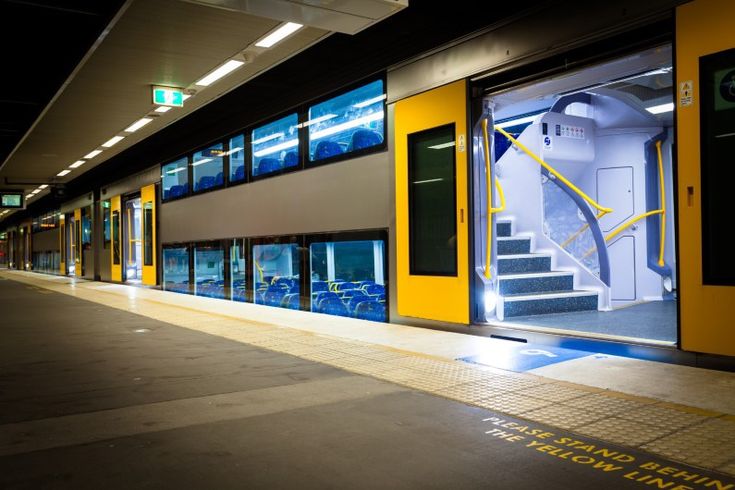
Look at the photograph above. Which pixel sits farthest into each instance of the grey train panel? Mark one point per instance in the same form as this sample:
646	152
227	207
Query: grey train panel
46	241
78	202
547	30
132	183
349	195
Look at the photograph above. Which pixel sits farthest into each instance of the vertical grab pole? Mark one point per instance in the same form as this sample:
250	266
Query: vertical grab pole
663	204
488	189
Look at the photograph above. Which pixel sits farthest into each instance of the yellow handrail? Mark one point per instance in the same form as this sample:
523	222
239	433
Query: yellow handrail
553	171
618	230
662	238
260	269
581	230
490	208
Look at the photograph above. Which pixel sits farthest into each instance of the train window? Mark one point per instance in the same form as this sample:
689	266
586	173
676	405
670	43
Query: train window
207	165
432	202
209	270
148	233
347	279
106	238
237	158
276	275
347	123
275	146
86	229
238	271
175	179
176	268
116	237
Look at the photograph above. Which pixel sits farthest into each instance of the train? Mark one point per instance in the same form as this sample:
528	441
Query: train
556	178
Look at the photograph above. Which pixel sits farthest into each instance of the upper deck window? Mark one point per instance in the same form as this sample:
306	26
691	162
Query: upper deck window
275	146
347	123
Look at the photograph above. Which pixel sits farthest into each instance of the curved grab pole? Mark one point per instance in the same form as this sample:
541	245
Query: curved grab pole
553	172
663	204
490	209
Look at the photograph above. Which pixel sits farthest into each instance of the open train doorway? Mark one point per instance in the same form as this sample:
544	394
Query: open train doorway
132	240
576	173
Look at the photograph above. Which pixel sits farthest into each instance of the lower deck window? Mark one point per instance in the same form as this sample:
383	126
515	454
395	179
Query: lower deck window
209	270
347	279
176	269
276	275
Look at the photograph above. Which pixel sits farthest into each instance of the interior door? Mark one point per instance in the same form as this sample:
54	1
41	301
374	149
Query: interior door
431	205
148	233
705	65
62	245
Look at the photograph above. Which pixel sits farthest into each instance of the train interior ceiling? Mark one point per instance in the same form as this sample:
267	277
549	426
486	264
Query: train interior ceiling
582	203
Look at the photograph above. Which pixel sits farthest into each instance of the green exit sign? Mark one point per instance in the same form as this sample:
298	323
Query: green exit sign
173	97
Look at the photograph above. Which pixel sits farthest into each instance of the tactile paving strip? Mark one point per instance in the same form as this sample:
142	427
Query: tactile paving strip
622	431
512	403
562	416
605	404
555	392
663	417
694	449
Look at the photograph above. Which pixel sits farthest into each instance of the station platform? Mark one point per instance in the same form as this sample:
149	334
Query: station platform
137	387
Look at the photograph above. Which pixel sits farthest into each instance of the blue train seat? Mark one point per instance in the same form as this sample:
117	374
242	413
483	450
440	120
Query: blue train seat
318	286
267	165
219	179
371	310
205	182
364	138
333	306
357	298
375	289
326	149
291	301
239	173
177	191
273	296
291	159
321	297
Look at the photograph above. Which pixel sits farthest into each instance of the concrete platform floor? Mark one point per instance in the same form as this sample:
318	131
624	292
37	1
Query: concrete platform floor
106	389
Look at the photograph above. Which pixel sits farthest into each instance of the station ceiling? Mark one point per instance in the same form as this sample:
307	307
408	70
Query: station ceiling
93	77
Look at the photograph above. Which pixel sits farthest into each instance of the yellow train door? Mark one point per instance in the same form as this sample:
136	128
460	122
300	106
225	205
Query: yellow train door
148	233
705	72
431	205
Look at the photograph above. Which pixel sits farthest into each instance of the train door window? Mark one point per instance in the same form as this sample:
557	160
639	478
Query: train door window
347	278
208	168
276	276
209	270
237	158
116	237
351	122
238	270
71	240
148	233
176	268
432	202
717	108
78	256
133	240
175	179
106	225
275	146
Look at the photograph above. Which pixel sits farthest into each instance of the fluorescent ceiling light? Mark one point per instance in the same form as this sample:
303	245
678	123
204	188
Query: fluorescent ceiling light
63	172
92	154
163	108
276	148
199	162
279	34
516	122
377	116
219	73
28	196
77	164
368	102
441	147
185	96
112	141
317	120
138	124
43	186
267	138
234	150
427	181
175	170
659	109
